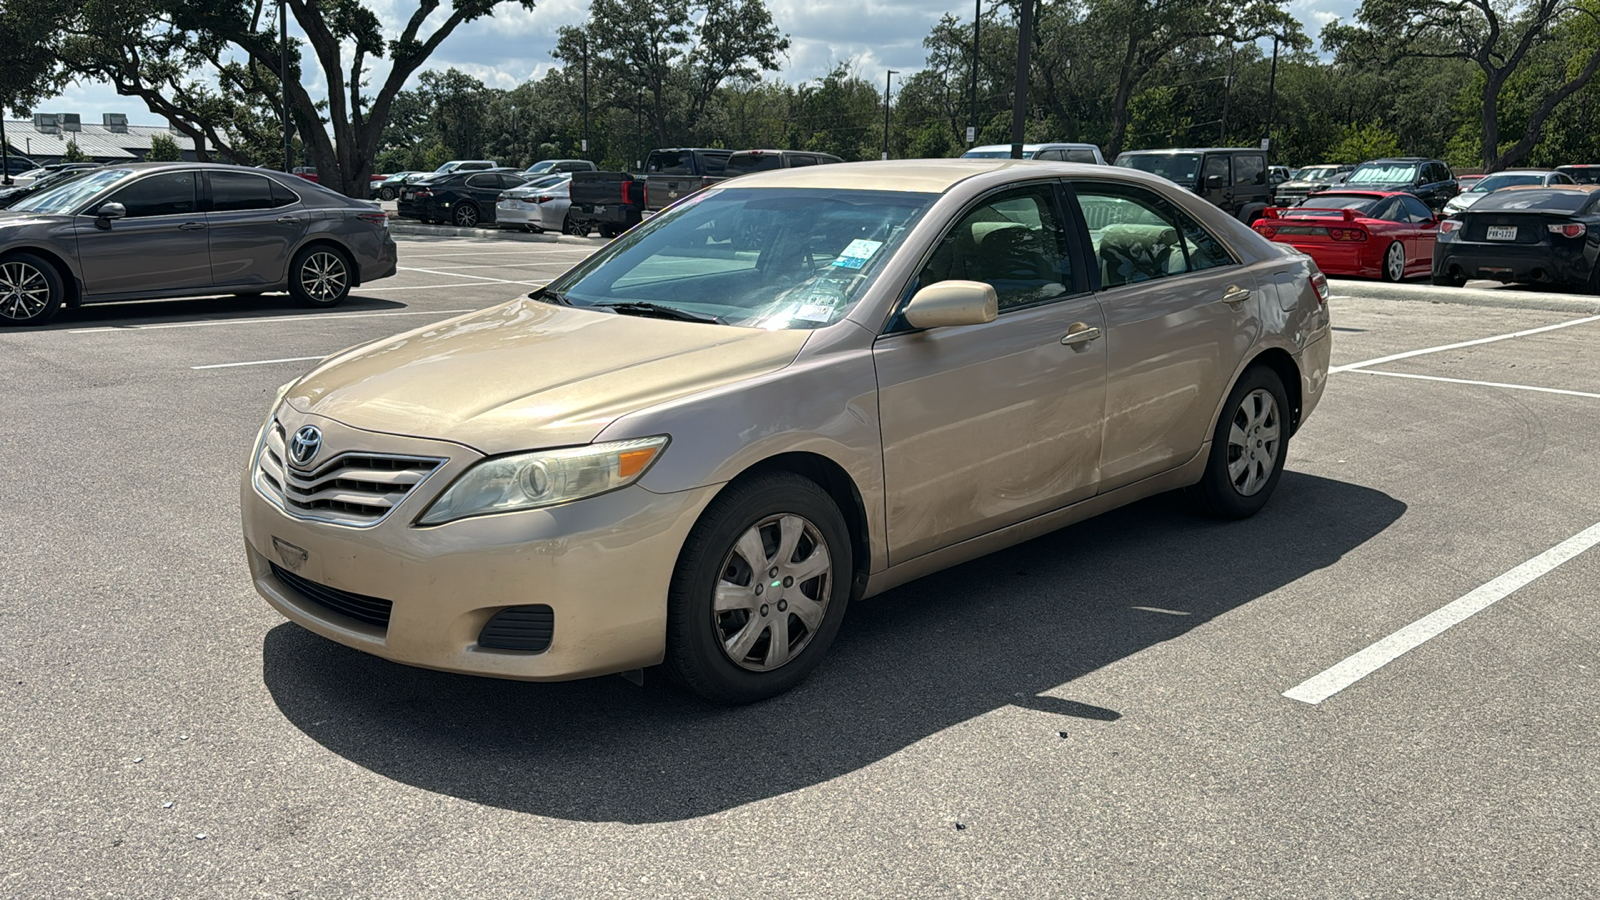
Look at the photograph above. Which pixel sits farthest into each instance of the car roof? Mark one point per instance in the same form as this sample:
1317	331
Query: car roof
1402	159
1343	192
1195	150
1047	145
1583	188
919	175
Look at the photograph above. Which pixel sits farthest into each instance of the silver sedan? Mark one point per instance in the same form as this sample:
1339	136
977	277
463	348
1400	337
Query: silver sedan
539	205
157	230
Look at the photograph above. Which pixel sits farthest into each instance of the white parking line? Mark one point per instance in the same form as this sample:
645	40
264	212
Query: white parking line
1488	340
323	317
521	265
1353	668
258	362
483	278
1518	387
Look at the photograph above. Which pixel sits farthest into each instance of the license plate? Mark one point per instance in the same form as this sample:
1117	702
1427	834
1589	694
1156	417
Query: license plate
1301	229
599	209
1502	232
407	195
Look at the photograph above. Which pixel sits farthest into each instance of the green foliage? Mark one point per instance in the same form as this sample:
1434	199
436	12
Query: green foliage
1359	143
163	149
73	154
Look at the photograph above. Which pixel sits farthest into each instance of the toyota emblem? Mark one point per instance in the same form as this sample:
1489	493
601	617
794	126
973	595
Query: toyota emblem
304	445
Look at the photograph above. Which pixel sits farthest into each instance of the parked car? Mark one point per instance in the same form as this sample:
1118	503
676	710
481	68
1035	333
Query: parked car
677	172
389	187
681	454
1277	175
16	165
467	165
1464	182
1233	179
1310	180
1370	234
537	205
1488	184
607	202
746	161
14	194
462	198
1429	179
1581	174
1539	234
309	173
148	230
556	166
1052	152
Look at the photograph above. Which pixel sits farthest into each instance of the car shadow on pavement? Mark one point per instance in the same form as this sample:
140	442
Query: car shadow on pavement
138	313
994	632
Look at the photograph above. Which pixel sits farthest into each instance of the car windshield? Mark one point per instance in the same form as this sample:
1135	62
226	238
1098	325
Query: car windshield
1582	174
1178	167
1383	174
1334	204
540	182
539	168
64	199
1496	182
758	257
1317	173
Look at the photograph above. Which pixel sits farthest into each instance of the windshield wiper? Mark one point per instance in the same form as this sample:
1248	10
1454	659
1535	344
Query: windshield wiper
658	311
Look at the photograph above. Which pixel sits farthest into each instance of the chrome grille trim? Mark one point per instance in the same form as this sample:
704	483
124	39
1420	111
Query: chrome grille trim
355	489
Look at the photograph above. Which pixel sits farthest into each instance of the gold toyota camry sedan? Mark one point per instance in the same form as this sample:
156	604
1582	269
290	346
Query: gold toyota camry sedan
780	396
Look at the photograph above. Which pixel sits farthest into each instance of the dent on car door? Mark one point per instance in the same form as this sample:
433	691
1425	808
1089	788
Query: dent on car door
1181	314
987	425
159	246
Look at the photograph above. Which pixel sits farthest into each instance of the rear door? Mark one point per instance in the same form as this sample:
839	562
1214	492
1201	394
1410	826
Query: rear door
160	246
254	225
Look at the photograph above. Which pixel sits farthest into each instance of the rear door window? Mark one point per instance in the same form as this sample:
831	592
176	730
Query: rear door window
1080	156
237	191
1133	232
802	159
1215	165
669	162
1249	169
484	182
713	164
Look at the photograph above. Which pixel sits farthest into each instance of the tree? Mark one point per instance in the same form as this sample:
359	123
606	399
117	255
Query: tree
30	73
163	149
1499	37
72	153
1360	143
184	46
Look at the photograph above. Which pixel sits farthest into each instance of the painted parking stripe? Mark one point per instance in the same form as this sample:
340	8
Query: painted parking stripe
255	320
1488	340
258	362
1497	384
1353	668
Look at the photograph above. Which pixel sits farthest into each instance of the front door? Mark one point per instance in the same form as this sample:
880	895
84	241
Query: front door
254	224
159	247
988	425
1216	184
1181	313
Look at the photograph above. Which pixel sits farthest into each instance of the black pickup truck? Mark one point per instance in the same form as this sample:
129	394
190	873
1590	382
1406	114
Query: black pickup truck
607	202
680	171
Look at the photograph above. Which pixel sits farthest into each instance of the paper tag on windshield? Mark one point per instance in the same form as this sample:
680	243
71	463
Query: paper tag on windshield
813	312
856	255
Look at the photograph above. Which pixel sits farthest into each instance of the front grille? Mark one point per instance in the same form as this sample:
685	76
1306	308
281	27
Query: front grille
356	489
525	628
1289	196
369	610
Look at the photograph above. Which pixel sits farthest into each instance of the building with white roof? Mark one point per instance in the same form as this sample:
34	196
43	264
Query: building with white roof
44	139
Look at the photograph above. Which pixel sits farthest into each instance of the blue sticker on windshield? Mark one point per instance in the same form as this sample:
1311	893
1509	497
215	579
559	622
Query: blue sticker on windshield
856	255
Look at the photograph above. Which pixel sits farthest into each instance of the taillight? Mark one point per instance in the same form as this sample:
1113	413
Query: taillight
1572	230
375	218
1266	231
1449	226
424	192
543	198
1319	284
1347	234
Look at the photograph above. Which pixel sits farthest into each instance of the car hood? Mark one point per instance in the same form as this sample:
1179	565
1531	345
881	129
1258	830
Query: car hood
11	218
527	374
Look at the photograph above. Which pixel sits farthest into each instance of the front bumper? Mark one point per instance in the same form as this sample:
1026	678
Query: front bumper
602	564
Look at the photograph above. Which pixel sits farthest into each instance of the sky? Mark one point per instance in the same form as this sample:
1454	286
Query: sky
514	45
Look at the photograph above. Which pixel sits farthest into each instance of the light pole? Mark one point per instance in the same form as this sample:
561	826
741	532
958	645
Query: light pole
1019	101
5	151
1272	85
585	94
888	81
977	23
283	77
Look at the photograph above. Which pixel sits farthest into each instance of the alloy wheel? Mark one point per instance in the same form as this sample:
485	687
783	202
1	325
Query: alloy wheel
324	276
1394	262
24	291
466	215
772	592
1253	441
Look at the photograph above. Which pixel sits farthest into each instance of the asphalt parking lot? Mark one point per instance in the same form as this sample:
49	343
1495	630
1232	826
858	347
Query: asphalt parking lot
1382	686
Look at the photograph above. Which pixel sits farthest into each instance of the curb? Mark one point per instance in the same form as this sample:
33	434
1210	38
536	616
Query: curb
1506	298
420	230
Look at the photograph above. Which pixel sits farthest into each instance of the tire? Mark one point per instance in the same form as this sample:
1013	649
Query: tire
466	215
731	657
320	276
1394	262
1592	286
31	290
386	193
570	227
1236	484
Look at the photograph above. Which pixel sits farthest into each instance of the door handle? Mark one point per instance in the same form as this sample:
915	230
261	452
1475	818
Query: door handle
191	226
1235	295
1080	334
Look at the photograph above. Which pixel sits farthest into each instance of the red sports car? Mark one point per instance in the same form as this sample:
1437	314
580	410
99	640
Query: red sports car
1387	234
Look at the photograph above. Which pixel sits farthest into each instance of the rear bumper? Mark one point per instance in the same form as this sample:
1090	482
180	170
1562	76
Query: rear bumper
1509	262
1346	258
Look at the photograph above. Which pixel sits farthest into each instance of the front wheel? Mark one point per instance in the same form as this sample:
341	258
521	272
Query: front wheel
759	590
320	276
30	290
1394	262
1248	447
385	193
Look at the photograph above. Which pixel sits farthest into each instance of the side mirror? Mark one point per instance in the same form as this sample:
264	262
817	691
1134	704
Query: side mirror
109	211
1216	181
953	303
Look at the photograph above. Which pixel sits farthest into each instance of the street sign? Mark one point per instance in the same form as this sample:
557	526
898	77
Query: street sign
972	135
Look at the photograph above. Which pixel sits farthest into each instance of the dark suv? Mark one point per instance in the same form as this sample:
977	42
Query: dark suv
1429	179
459	198
1231	178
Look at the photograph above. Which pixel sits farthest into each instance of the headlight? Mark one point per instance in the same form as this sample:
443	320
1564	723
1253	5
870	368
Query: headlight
544	478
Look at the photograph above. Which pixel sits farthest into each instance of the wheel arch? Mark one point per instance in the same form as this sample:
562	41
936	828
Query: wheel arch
1288	371
69	277
322	240
834	479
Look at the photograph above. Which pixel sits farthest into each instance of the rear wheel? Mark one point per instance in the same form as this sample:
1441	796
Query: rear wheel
759	591
466	215
1394	262
320	276
1248	447
385	193
31	290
